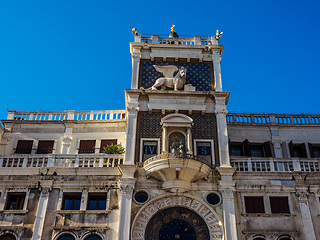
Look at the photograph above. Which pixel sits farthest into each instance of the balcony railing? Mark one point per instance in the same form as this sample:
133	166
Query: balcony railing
61	161
275	165
264	119
66	115
178	155
156	39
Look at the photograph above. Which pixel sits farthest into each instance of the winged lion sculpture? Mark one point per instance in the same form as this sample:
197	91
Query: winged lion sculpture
170	80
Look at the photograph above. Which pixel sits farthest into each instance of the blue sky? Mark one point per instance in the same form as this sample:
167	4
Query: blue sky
74	55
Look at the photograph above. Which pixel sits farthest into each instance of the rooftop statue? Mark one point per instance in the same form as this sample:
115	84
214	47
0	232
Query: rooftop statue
169	80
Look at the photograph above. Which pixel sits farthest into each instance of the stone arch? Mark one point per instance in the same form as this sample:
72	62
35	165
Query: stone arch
258	237
158	204
60	234
92	233
8	234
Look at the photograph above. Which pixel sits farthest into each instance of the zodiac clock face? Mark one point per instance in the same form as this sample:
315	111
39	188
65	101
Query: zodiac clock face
177	223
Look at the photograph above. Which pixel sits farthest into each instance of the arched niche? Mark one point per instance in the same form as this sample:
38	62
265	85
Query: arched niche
179	125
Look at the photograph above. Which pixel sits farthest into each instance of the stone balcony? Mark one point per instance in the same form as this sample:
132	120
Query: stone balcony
244	164
61	160
177	170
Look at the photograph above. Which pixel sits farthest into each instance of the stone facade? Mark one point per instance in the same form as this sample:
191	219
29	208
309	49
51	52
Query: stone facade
190	170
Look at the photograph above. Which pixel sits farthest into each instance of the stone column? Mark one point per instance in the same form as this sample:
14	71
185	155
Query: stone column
126	188
227	188
223	141
164	140
131	135
217	73
41	214
189	141
308	229
135	70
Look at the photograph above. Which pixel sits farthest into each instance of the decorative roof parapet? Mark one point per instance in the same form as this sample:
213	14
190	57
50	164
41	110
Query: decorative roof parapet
66	115
269	119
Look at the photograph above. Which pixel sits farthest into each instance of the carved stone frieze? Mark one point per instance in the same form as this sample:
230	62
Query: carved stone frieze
149	210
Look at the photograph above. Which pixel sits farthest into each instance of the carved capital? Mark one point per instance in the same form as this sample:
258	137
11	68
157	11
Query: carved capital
66	140
126	189
302	195
227	193
216	59
222	112
132	110
45	191
221	109
136	56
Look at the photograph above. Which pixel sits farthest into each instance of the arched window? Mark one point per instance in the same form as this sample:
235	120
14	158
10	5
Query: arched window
259	238
7	236
284	238
66	237
93	237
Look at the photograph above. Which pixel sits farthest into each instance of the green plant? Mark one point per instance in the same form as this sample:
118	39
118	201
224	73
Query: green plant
113	149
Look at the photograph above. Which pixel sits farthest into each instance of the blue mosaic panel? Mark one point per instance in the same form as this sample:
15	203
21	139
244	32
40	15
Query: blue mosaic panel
150	125
203	127
198	74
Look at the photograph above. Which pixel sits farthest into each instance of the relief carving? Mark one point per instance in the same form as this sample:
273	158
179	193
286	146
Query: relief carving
170	80
152	208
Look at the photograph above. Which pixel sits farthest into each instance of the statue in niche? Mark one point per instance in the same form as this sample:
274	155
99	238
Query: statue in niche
177	143
170	80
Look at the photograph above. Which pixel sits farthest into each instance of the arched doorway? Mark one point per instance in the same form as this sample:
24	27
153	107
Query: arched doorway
177	223
172	217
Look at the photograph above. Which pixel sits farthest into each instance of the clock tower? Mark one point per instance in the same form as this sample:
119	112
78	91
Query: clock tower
177	136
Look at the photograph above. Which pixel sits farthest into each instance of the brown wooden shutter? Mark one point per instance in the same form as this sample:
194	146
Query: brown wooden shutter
303	150
291	149
45	147
87	146
105	143
279	205
24	146
267	149
247	149
254	204
311	150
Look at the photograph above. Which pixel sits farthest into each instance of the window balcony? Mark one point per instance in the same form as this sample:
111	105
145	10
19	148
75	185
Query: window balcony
177	170
61	160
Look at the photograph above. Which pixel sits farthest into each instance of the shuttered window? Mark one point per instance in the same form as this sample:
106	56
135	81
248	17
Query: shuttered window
236	149
298	150
254	204
249	149
314	150
279	205
71	201
24	146
15	201
97	201
105	143
87	146
45	147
